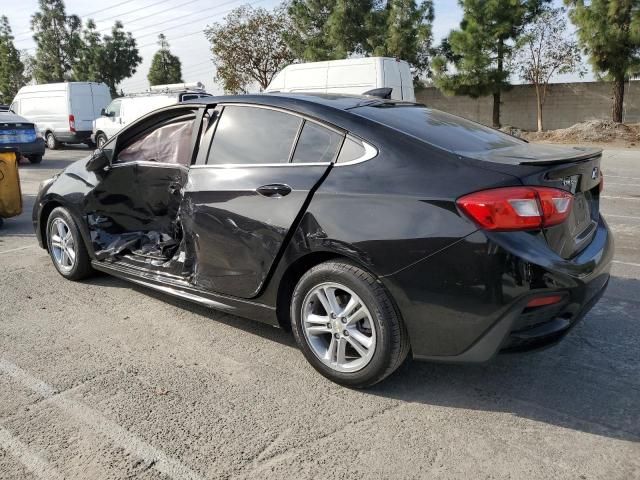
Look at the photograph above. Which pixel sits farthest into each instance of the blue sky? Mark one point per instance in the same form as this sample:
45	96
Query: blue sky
182	22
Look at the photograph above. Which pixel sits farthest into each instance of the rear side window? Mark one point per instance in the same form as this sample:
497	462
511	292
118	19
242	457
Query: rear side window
352	149
316	144
252	135
437	128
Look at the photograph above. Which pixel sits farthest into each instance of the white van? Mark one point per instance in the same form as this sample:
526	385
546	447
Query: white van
352	76
62	112
124	110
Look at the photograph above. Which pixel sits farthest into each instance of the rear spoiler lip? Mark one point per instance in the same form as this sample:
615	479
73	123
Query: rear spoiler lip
584	155
578	154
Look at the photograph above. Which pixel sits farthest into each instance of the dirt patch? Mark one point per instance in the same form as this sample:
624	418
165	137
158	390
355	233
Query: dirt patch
592	131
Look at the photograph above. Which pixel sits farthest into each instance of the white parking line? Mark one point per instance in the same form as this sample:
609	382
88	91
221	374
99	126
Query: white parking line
620	216
33	462
16	249
631	264
620	198
620	176
102	425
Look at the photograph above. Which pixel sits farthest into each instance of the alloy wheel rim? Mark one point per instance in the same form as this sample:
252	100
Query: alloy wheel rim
50	140
101	141
338	327
63	248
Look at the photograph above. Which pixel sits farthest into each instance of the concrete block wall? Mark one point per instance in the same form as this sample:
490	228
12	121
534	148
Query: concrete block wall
566	104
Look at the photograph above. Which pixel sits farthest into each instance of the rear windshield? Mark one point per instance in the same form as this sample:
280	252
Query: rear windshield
437	128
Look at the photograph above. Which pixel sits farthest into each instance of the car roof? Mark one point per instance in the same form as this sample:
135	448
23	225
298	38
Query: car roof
302	99
10	117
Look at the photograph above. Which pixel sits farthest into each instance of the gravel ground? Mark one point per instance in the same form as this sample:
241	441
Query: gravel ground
105	380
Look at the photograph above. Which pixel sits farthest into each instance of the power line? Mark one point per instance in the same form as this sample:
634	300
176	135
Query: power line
107	8
116	16
147	16
185	16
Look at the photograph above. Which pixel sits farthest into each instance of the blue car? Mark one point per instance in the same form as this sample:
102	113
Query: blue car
20	133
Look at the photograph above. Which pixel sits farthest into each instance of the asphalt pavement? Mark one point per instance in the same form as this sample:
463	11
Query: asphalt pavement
106	380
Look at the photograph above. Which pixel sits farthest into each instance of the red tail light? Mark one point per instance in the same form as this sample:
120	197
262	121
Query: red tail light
517	208
544	301
72	123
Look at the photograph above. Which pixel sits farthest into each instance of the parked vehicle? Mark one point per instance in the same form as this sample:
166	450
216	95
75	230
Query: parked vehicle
63	112
355	76
371	228
18	133
122	111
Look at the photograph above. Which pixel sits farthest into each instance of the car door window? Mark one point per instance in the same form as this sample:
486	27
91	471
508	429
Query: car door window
169	143
113	110
252	135
317	144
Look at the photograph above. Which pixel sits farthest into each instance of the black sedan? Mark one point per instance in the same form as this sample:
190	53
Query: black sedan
371	228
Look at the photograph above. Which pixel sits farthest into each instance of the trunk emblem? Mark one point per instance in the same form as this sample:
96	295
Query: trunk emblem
594	173
571	182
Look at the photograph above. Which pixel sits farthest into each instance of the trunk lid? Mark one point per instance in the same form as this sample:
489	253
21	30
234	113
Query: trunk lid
574	169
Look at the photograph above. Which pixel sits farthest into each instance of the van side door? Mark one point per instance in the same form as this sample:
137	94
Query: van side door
249	187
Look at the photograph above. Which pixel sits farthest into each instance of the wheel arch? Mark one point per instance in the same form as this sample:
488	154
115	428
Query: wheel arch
298	268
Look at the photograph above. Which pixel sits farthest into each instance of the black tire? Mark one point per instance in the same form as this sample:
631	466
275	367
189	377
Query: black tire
392	344
101	139
35	158
51	141
82	265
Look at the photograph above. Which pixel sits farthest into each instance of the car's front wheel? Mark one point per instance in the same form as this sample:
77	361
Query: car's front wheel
346	325
101	139
66	247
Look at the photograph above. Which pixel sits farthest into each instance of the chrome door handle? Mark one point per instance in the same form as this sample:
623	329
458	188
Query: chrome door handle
274	190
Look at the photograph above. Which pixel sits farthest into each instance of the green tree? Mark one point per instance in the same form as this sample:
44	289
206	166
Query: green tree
57	39
90	60
249	46
307	37
480	49
336	29
165	67
109	58
407	33
11	67
609	33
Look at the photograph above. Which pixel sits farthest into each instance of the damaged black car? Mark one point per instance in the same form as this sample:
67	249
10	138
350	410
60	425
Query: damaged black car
374	229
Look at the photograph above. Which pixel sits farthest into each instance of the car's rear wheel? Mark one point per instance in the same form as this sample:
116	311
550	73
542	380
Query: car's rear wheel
101	139
66	247
35	158
52	142
346	325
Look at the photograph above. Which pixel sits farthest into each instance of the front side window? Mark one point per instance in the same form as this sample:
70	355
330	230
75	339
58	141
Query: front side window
316	144
169	143
252	135
113	110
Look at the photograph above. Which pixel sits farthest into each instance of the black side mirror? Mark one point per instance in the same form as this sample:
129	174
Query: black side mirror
103	113
98	161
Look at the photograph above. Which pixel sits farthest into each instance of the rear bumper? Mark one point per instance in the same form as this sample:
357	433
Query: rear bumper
26	149
469	302
74	137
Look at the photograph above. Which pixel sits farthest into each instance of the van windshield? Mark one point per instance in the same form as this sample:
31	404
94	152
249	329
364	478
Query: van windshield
443	130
